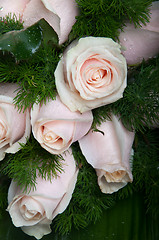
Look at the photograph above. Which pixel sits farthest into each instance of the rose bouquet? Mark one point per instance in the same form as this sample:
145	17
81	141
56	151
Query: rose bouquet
78	107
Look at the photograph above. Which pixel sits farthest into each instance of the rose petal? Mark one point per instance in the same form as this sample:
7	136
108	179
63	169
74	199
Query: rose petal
38	230
17	123
66	12
141	43
110	182
57	13
35	10
147	44
153	24
108	151
56	127
8	6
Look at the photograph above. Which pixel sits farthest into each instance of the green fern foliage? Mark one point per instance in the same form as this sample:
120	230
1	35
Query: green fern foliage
31	161
104	18
35	76
10	23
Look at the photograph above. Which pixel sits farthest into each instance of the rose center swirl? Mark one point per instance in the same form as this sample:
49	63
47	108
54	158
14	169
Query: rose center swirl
95	78
99	75
50	137
115	176
31	209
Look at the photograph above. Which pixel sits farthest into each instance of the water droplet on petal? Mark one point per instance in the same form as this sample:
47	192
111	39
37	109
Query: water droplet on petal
125	39
1	8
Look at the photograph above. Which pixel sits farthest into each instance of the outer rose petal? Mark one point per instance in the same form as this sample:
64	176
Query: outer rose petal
67	11
109	152
17	122
51	198
141	43
77	86
9	6
153	24
38	231
62	122
59	14
35	10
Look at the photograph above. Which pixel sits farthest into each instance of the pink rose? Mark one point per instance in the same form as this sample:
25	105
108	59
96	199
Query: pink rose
141	43
9	6
109	151
14	125
55	127
60	14
91	73
34	211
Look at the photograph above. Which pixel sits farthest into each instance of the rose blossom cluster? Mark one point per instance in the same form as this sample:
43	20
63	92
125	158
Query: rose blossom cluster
91	73
55	127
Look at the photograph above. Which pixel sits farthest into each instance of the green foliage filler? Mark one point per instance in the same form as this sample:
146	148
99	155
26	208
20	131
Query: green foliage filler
35	76
104	18
10	23
31	161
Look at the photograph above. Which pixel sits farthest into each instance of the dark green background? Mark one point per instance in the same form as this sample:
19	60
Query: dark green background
127	220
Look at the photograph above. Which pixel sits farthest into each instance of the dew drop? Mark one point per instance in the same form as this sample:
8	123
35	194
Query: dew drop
1	8
125	39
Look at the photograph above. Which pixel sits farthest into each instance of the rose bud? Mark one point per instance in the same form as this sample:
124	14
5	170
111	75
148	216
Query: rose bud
55	127
35	210
59	14
15	126
108	151
91	73
142	42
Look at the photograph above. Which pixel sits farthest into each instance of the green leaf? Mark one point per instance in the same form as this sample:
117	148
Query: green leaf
22	44
49	35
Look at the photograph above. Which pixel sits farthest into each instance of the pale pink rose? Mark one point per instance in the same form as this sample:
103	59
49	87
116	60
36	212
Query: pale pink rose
109	151
14	125
35	210
142	42
91	73
55	127
13	7
60	14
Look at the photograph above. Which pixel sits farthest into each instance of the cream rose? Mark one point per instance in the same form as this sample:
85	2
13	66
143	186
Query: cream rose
14	125
91	73
60	14
109	152
55	127
34	211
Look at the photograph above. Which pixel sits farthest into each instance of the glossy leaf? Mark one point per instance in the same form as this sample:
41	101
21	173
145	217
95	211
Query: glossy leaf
49	35
23	43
